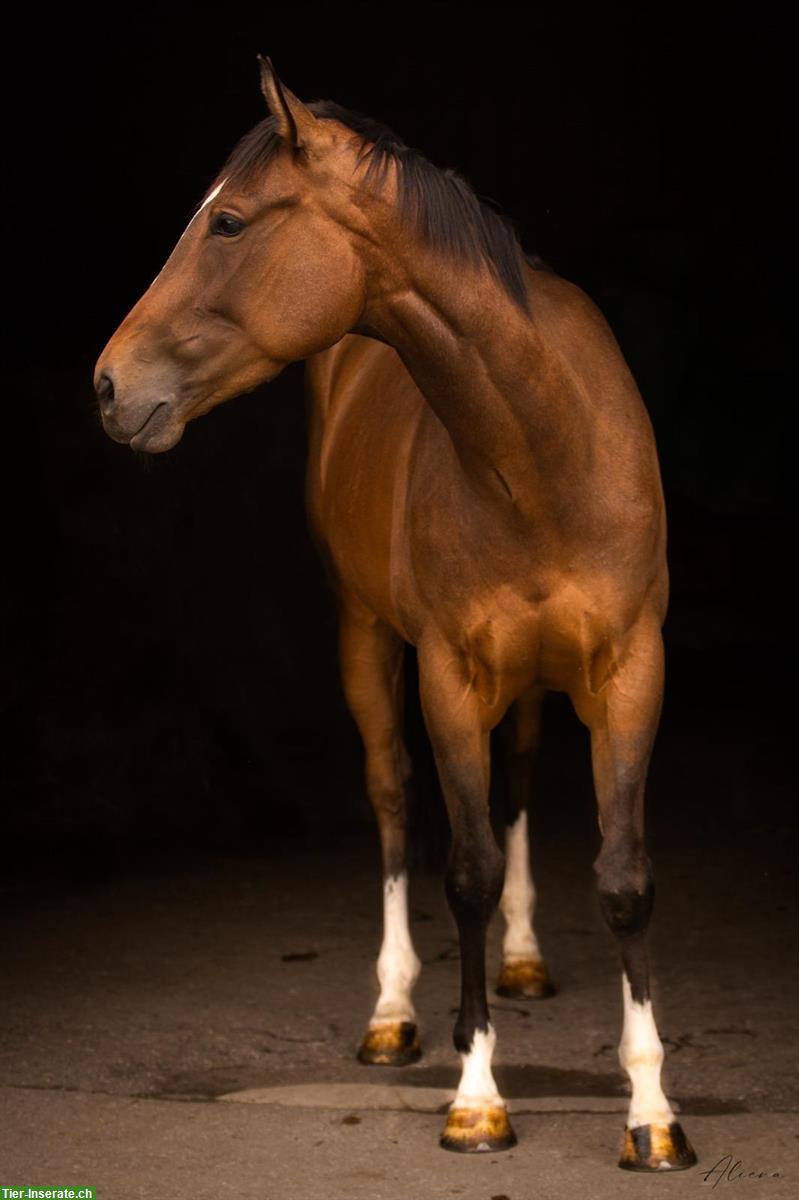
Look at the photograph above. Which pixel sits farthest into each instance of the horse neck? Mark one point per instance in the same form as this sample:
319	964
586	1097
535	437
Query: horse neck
480	362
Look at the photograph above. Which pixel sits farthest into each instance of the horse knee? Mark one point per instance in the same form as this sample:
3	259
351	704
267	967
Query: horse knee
626	890
387	773
474	880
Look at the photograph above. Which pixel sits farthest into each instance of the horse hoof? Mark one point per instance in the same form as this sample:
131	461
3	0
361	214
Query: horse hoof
478	1130
525	979
395	1044
656	1148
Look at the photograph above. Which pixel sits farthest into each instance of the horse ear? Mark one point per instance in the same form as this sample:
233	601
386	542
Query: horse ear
295	122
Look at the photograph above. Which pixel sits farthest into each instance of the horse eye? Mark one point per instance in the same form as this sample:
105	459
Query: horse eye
226	226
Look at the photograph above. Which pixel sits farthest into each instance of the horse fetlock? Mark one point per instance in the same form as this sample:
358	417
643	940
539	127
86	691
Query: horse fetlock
398	967
397	970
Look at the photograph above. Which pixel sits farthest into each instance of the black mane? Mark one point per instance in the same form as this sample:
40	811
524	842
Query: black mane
438	203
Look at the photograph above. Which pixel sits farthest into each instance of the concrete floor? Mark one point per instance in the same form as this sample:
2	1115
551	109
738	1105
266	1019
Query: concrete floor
131	1007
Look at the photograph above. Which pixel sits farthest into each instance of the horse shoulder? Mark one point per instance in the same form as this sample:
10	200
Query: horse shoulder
363	414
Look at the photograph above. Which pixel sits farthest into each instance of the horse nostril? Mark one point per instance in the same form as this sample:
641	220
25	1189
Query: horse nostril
105	393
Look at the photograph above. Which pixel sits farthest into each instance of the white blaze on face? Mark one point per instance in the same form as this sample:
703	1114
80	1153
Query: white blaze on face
397	966
208	200
641	1055
518	895
477	1088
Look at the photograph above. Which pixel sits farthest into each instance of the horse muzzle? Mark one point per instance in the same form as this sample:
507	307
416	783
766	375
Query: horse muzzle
144	417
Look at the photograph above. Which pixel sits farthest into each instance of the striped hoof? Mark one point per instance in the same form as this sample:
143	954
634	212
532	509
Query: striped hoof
395	1044
478	1130
525	979
656	1148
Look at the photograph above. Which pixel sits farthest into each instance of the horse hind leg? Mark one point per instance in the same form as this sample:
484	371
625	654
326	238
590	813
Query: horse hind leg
623	720
371	657
523	975
477	1119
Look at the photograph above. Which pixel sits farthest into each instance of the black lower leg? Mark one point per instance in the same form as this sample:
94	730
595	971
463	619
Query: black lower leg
474	881
455	719
623	715
473	885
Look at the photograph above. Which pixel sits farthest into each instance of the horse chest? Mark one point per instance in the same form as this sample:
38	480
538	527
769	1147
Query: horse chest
509	641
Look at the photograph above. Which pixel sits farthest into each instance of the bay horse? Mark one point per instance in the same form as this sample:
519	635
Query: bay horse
484	485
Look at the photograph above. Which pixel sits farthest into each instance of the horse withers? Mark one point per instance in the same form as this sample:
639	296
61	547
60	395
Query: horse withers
483	483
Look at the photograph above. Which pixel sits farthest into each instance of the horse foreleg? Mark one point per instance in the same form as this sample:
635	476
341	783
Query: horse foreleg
371	657
523	974
623	719
478	1118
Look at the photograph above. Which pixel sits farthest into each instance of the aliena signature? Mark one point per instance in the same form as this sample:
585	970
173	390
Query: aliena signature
729	1170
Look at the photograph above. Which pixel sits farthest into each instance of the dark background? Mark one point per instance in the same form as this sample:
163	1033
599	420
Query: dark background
169	677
